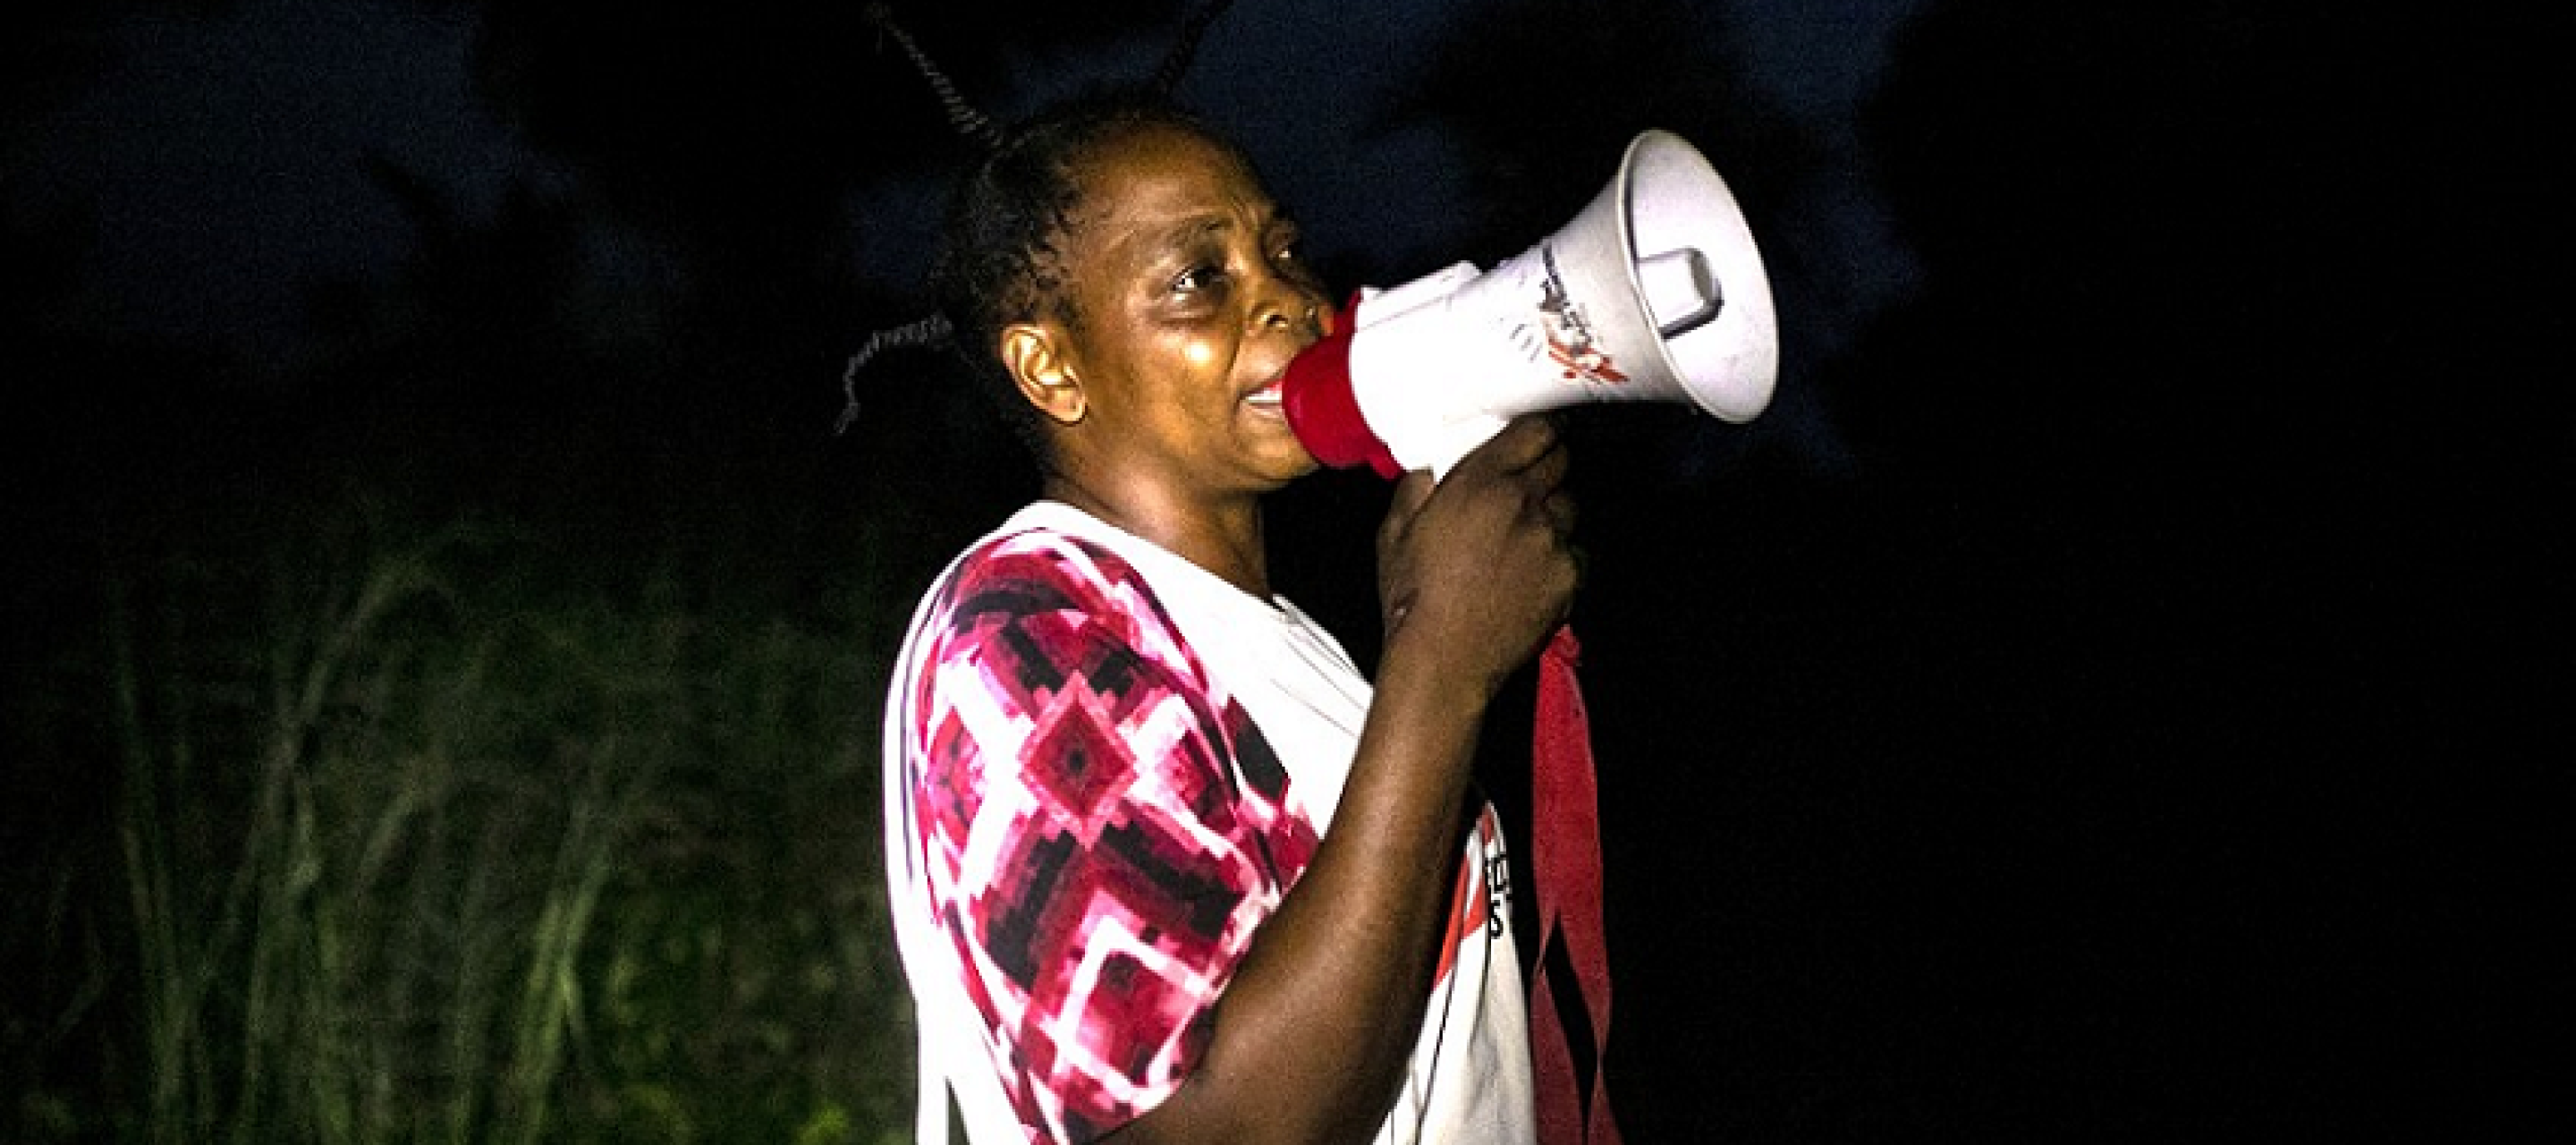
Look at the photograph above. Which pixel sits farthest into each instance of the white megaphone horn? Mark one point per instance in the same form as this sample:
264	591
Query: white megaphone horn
1655	292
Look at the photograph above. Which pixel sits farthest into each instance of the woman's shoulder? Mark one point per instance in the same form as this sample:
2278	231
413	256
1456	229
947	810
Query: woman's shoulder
1041	577
1047	562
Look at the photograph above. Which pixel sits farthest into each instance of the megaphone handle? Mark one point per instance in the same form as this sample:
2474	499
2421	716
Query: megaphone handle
1565	862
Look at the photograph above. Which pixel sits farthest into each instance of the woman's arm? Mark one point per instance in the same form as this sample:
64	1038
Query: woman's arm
1311	1037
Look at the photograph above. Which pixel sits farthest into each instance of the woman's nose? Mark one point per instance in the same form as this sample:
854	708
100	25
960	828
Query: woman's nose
1290	305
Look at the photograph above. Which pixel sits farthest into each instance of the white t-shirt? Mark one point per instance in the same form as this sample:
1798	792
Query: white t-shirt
1469	1078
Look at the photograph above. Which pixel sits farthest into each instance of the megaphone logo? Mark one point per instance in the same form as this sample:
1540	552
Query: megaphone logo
1655	292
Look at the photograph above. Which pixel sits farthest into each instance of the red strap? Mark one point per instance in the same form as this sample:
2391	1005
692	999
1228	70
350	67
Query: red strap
1565	862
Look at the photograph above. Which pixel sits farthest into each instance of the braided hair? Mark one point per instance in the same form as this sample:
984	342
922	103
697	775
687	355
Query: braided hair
1000	254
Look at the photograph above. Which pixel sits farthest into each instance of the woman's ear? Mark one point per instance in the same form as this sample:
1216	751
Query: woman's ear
1034	353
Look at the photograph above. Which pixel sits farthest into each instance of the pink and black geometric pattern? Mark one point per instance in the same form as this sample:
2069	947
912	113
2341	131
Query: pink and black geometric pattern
1102	825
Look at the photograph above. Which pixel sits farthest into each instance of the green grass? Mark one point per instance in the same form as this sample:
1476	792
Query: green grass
454	833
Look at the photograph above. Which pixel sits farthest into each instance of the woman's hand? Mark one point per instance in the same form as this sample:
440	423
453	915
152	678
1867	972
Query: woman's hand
1476	569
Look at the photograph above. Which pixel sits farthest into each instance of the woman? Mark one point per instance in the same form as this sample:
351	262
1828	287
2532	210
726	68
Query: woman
1165	866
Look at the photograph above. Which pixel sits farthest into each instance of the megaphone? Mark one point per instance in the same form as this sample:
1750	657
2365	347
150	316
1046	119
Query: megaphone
1655	292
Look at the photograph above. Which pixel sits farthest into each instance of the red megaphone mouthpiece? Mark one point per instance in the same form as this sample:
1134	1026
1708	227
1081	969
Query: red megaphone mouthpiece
1316	395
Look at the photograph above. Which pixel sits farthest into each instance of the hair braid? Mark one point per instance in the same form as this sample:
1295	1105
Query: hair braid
1185	49
930	331
961	115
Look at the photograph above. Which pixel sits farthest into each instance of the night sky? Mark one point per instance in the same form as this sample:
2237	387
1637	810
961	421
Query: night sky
2119	691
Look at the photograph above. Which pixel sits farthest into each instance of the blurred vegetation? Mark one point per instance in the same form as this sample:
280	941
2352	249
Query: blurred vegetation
426	831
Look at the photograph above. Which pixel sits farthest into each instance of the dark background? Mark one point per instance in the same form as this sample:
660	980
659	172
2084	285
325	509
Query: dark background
2119	691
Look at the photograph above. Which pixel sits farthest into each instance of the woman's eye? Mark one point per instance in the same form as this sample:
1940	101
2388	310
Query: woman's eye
1290	259
1202	277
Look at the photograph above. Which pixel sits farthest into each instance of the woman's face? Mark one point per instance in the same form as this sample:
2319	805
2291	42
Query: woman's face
1188	301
